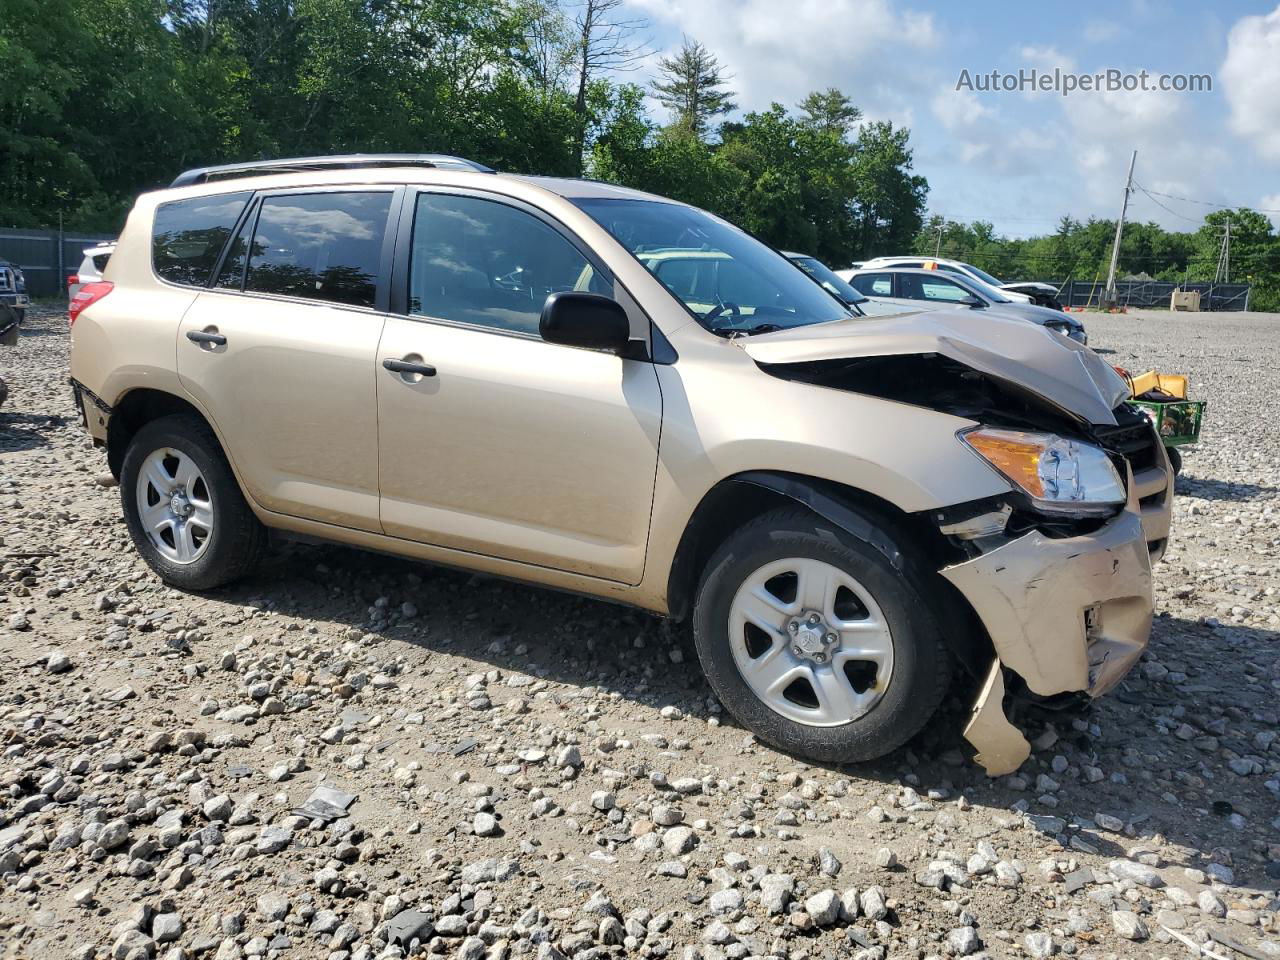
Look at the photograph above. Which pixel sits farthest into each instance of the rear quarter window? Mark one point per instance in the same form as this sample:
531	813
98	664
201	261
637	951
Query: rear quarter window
187	236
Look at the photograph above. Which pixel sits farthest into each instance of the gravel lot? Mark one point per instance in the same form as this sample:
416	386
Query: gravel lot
541	775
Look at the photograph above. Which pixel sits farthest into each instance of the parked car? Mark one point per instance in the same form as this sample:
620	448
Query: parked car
1023	291
91	267
899	285
8	338
419	356
13	289
861	304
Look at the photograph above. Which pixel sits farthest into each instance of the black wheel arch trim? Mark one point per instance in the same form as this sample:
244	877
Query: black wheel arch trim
963	633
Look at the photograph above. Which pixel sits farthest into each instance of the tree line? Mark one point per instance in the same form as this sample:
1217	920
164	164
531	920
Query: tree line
1082	251
102	99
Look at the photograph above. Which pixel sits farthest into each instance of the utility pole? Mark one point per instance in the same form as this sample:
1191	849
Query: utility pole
1109	295
1223	273
937	247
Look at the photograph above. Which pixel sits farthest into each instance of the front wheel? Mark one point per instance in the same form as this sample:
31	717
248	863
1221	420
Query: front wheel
184	509
813	640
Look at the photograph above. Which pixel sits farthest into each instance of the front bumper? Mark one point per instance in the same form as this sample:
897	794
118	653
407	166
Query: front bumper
1066	615
16	300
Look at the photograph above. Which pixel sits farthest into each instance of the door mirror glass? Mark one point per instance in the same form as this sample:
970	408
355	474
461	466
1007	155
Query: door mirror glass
972	301
585	320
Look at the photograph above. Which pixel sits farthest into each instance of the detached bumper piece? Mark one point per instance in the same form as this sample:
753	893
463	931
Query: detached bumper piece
1066	615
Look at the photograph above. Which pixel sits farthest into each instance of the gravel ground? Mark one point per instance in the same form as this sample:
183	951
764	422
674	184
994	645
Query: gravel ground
541	775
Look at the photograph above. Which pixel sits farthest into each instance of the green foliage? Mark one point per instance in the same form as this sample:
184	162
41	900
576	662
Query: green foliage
692	87
102	99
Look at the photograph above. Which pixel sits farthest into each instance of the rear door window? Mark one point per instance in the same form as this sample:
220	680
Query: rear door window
318	246
187	236
873	284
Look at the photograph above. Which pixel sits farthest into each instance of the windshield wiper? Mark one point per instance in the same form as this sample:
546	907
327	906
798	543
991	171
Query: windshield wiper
751	331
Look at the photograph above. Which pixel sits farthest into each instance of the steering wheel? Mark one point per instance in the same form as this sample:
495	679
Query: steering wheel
720	308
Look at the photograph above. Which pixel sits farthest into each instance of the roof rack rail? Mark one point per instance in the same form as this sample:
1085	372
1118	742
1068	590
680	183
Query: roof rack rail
342	162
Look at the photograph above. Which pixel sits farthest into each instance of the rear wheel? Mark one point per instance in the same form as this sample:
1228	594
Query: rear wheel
184	509
813	640
1175	459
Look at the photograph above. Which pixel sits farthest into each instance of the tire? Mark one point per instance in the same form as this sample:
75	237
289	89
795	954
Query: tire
219	540
1175	459
4	391
907	688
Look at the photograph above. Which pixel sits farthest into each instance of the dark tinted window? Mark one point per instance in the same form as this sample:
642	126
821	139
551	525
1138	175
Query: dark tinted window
322	246
481	262
231	276
100	261
188	236
873	284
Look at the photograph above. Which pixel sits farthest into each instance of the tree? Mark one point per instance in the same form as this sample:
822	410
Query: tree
604	42
830	110
889	200
692	87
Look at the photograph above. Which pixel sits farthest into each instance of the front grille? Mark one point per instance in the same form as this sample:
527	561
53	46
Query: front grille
1132	439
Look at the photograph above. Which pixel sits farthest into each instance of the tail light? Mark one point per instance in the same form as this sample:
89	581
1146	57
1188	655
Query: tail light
73	279
86	296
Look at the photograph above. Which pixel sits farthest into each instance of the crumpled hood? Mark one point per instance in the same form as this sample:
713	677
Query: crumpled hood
1060	370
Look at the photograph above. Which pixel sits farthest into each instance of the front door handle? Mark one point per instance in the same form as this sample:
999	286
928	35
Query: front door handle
204	336
407	366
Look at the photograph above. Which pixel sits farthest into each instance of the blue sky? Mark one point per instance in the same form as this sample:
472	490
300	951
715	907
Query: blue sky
1022	160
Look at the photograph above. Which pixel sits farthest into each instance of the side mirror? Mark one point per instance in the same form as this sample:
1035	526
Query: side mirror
585	320
974	302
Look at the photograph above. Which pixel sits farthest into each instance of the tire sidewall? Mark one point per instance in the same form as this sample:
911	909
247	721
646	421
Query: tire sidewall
224	493
913	684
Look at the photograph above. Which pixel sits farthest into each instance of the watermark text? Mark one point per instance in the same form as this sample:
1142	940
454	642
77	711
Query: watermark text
1057	80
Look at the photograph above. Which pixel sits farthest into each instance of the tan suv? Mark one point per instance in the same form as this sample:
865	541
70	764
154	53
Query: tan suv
420	356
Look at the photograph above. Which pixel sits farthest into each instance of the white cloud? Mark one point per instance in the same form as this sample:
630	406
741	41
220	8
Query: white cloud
781	52
1100	31
1250	77
1271	202
959	109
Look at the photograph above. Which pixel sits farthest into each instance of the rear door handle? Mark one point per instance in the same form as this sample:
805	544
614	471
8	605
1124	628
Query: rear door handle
406	366
203	336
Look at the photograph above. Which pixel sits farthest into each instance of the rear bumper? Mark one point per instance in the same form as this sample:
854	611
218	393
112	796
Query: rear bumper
95	413
1065	615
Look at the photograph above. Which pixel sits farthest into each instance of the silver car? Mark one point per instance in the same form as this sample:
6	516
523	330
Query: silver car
931	287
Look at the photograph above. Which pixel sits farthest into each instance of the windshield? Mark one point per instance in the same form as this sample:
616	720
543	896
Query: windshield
850	294
827	277
729	281
982	275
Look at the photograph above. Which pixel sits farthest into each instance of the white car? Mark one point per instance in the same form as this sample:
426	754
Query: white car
1041	294
936	288
91	267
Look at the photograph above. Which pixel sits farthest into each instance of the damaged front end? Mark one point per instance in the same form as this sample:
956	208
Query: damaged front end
1061	589
1065	615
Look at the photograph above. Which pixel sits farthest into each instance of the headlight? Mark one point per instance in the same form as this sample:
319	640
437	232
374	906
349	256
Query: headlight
1058	474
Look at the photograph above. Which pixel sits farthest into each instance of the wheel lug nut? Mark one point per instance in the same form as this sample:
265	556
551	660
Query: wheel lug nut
820	657
831	638
793	626
814	618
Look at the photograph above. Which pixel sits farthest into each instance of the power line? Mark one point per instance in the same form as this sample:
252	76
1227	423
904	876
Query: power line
1163	207
1206	203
